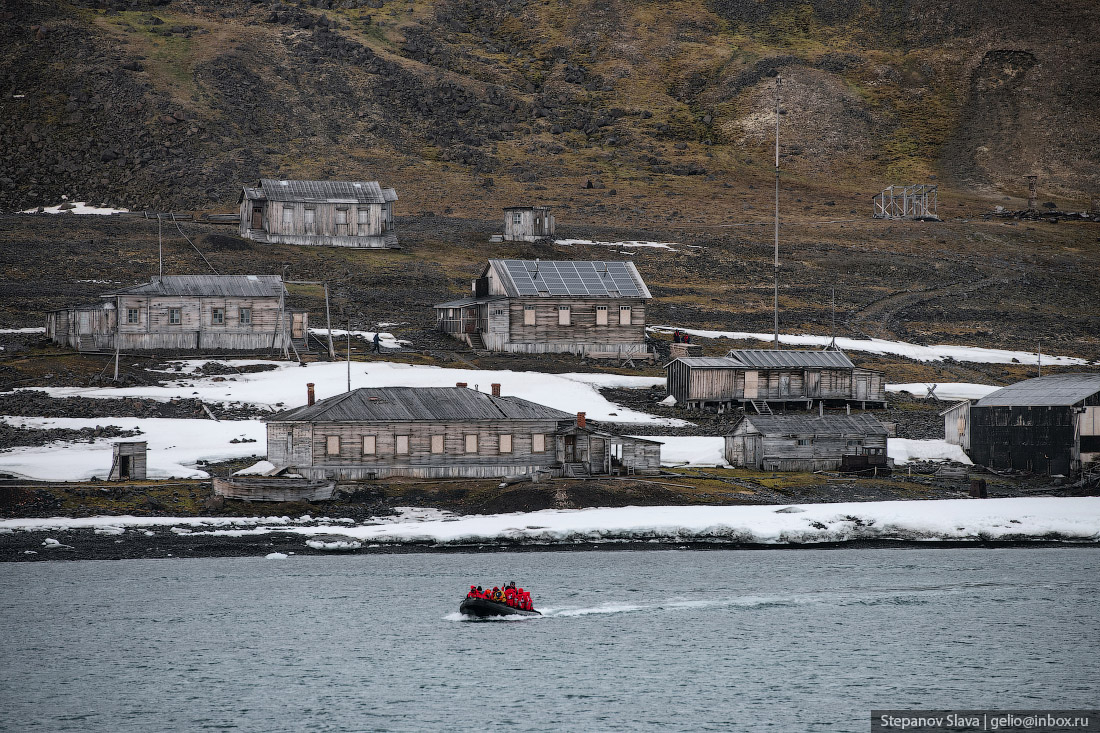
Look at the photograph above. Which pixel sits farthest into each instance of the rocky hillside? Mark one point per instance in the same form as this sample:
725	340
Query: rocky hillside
465	105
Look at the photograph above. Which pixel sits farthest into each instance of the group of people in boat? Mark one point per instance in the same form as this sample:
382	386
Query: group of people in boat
508	594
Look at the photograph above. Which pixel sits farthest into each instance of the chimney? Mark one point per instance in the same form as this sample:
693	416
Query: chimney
460	384
580	420
310	396
496	390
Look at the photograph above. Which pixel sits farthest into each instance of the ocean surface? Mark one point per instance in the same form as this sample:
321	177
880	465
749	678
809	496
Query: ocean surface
777	640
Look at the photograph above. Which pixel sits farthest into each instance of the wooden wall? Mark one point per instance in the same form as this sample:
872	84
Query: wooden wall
324	230
783	453
726	385
956	425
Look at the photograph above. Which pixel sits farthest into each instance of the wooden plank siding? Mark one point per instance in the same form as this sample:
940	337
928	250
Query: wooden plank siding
504	327
707	386
324	230
783	452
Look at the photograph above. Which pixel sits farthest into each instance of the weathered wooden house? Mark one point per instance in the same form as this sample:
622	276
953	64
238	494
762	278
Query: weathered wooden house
326	213
760	377
1048	425
129	461
541	306
211	313
805	442
956	424
527	223
439	432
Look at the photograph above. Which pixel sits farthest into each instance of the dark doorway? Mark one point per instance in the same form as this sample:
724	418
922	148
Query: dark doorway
124	467
257	218
570	448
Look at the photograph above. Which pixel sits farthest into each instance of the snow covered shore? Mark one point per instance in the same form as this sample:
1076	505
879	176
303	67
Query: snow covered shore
1020	519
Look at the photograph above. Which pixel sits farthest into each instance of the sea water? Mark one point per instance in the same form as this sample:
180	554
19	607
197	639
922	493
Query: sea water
803	640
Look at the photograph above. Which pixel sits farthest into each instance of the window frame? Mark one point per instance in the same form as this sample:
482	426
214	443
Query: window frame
309	216
601	315
362	216
440	442
629	320
175	316
372	450
217	316
517	218
505	438
402	441
133	315
538	442
329	445
244	315
466	443
529	315
288	216
565	312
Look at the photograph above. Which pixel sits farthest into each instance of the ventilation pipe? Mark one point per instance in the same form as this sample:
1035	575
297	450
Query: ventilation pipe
310	396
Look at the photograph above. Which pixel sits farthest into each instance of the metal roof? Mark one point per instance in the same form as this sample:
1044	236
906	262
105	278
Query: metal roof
1054	390
323	192
549	278
470	300
526	208
814	424
806	359
244	286
707	362
402	404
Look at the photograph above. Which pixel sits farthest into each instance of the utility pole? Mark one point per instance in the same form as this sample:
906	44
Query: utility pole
349	355
778	85
160	246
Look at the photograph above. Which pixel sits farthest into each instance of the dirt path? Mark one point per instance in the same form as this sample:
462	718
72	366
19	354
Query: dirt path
879	312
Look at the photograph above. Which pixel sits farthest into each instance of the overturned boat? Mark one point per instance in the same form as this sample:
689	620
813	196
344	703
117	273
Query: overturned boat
484	608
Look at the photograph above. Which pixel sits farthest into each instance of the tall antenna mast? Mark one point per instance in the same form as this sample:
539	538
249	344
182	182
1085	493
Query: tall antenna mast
778	84
832	344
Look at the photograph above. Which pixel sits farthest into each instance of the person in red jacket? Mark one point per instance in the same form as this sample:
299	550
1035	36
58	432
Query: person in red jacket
473	592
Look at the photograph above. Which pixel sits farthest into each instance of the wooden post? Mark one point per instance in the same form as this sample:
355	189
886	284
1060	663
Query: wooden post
328	322
118	333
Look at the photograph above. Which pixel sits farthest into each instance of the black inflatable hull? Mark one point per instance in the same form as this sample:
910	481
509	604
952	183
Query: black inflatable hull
483	608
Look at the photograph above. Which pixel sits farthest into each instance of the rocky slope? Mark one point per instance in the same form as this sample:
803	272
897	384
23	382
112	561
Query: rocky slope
469	104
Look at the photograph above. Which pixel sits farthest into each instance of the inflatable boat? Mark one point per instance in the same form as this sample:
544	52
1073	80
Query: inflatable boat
483	608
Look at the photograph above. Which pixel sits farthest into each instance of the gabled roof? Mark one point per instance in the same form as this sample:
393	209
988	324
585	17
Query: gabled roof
470	300
321	192
798	359
861	424
1053	390
550	278
707	362
402	404
244	286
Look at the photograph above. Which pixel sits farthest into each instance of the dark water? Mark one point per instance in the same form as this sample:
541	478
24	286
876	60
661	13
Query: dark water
764	640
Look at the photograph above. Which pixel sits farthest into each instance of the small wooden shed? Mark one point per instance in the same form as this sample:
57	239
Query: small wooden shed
956	424
755	378
129	461
805	442
527	223
325	213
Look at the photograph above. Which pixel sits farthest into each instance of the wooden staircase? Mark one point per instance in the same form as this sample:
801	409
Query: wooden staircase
576	470
762	407
476	342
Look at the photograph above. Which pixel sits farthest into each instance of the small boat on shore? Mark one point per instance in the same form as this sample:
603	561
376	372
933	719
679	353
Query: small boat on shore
484	608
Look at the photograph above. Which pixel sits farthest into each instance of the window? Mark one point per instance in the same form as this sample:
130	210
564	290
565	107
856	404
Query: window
217	316
506	443
854	443
601	315
804	441
364	217
310	214
437	444
471	444
289	444
538	443
401	445
174	316
517	218
563	315
370	445
528	315
624	315
341	216
246	316
332	445
132	315
288	216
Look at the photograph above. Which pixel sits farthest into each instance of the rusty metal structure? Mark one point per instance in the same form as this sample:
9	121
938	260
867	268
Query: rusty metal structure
913	201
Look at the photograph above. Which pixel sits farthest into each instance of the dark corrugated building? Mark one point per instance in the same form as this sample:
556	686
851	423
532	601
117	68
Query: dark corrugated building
1048	425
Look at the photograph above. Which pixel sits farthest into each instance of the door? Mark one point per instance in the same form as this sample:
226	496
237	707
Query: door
570	448
751	384
784	385
859	384
813	383
596	458
297	326
257	217
124	467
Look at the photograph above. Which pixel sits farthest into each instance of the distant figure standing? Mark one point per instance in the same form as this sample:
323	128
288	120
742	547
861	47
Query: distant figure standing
676	336
377	349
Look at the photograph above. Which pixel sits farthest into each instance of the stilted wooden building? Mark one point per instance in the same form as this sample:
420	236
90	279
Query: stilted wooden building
541	306
441	432
212	313
757	378
806	442
325	213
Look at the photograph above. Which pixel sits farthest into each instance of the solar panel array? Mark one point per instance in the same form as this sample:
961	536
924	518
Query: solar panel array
571	278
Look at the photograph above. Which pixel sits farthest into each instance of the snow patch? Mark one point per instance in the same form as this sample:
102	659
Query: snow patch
950	391
905	450
36	329
256	469
77	207
276	556
690	450
670	246
388	340
334	545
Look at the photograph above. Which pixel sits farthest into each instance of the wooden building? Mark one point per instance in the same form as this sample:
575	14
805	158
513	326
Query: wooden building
759	378
326	213
441	432
527	223
956	424
542	306
805	442
212	313
1047	425
129	461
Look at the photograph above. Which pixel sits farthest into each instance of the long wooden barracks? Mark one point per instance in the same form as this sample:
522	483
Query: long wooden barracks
543	306
326	213
441	432
760	377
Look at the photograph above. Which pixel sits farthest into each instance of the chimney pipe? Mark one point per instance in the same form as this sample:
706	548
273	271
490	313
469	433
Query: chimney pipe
310	396
460	384
580	420
496	390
